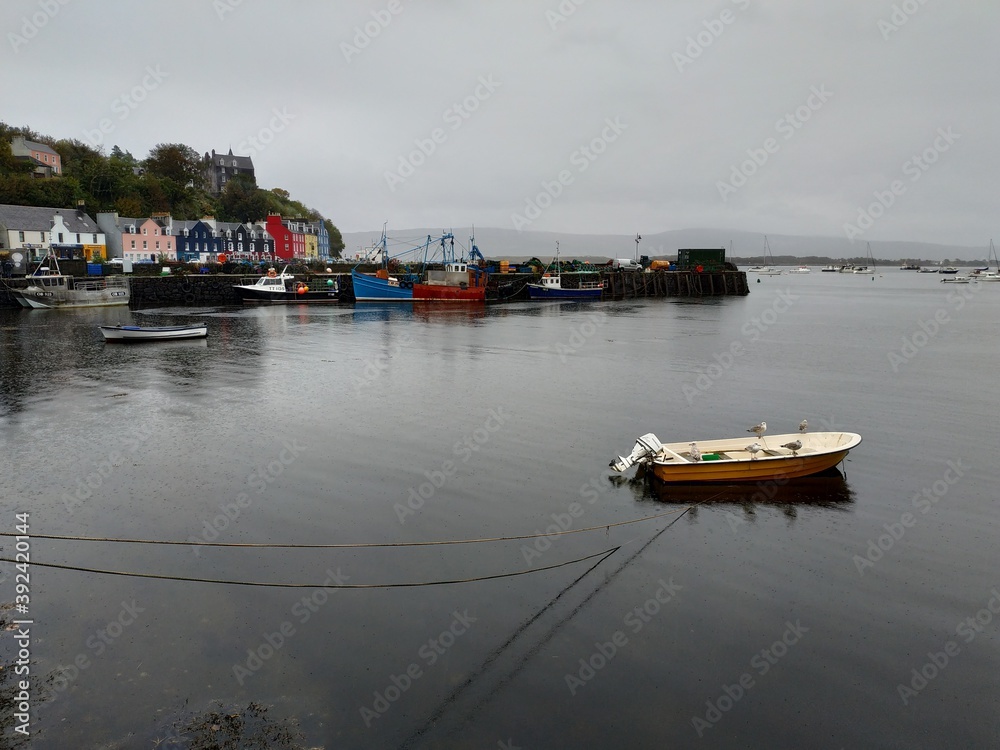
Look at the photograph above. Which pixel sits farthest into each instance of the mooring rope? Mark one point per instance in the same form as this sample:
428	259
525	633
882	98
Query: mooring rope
414	584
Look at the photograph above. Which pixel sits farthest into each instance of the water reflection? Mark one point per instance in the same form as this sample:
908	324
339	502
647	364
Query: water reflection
828	490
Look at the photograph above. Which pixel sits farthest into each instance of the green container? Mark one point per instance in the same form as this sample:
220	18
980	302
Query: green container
710	457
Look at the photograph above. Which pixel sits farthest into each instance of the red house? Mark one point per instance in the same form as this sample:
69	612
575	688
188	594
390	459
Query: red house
288	245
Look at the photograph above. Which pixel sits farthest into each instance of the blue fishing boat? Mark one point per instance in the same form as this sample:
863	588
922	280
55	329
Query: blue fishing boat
458	282
550	286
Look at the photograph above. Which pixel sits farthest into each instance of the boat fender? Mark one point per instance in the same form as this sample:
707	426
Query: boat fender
272	273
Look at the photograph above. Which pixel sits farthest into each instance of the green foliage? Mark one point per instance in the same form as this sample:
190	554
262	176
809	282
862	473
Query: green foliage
171	179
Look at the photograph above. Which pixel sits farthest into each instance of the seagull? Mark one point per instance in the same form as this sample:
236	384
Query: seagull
758	429
754	449
793	446
803	426
695	453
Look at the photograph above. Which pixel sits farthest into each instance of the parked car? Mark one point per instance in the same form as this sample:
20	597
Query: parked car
116	262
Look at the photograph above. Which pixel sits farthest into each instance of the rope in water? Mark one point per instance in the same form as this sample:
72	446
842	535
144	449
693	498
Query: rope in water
358	545
326	585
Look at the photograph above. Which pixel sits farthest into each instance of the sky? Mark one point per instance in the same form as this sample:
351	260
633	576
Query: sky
871	120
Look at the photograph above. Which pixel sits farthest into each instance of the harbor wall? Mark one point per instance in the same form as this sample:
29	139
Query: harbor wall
199	290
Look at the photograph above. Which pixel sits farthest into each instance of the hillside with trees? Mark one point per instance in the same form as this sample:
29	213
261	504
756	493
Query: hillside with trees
171	179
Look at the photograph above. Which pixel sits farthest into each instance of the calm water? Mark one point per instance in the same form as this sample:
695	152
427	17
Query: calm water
761	622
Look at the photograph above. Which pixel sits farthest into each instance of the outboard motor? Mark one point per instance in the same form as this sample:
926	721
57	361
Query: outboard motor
646	447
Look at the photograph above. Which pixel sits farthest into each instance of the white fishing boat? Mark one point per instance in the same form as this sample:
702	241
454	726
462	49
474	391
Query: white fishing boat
800	269
274	288
50	289
985	274
777	457
153	333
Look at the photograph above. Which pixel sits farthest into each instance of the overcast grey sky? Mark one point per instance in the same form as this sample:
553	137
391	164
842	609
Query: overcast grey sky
576	116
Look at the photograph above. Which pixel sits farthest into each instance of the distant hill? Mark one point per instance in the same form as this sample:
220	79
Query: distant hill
746	246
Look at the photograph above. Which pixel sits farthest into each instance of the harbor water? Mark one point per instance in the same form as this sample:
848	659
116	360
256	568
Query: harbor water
857	610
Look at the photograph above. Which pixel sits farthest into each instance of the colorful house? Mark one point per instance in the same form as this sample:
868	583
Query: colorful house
47	162
32	232
289	244
138	240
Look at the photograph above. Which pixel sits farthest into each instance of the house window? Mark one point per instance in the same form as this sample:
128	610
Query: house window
234	162
157	244
241	247
144	245
95	239
133	244
20	236
131	228
60	238
231	245
145	231
77	238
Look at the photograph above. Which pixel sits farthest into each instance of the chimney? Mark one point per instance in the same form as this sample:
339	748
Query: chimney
81	209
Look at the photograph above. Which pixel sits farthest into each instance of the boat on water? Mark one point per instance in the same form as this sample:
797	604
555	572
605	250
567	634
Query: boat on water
456	281
550	285
831	269
282	289
985	274
924	269
50	289
733	460
767	269
959	280
153	333
799	269
909	267
948	269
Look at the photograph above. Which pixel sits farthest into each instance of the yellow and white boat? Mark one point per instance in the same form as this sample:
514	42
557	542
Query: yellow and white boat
740	459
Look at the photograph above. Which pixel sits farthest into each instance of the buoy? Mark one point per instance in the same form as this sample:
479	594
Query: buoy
329	282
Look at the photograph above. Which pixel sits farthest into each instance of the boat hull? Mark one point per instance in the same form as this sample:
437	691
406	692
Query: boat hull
39	298
536	291
444	293
251	296
373	289
152	333
761	469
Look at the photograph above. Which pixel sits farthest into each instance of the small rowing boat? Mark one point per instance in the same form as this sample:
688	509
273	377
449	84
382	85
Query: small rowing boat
732	460
153	333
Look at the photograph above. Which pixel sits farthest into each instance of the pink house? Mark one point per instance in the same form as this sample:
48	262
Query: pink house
47	162
146	240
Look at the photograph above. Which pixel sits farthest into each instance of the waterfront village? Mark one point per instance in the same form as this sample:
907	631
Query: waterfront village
30	233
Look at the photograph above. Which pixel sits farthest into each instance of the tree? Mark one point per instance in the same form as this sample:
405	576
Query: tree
242	200
336	239
176	162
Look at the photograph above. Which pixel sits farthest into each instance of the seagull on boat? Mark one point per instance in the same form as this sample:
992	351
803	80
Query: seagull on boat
753	449
758	429
794	446
695	453
803	426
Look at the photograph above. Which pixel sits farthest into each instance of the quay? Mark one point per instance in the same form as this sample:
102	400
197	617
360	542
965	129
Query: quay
198	290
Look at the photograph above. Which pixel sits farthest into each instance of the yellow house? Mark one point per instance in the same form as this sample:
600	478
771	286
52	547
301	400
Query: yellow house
312	246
